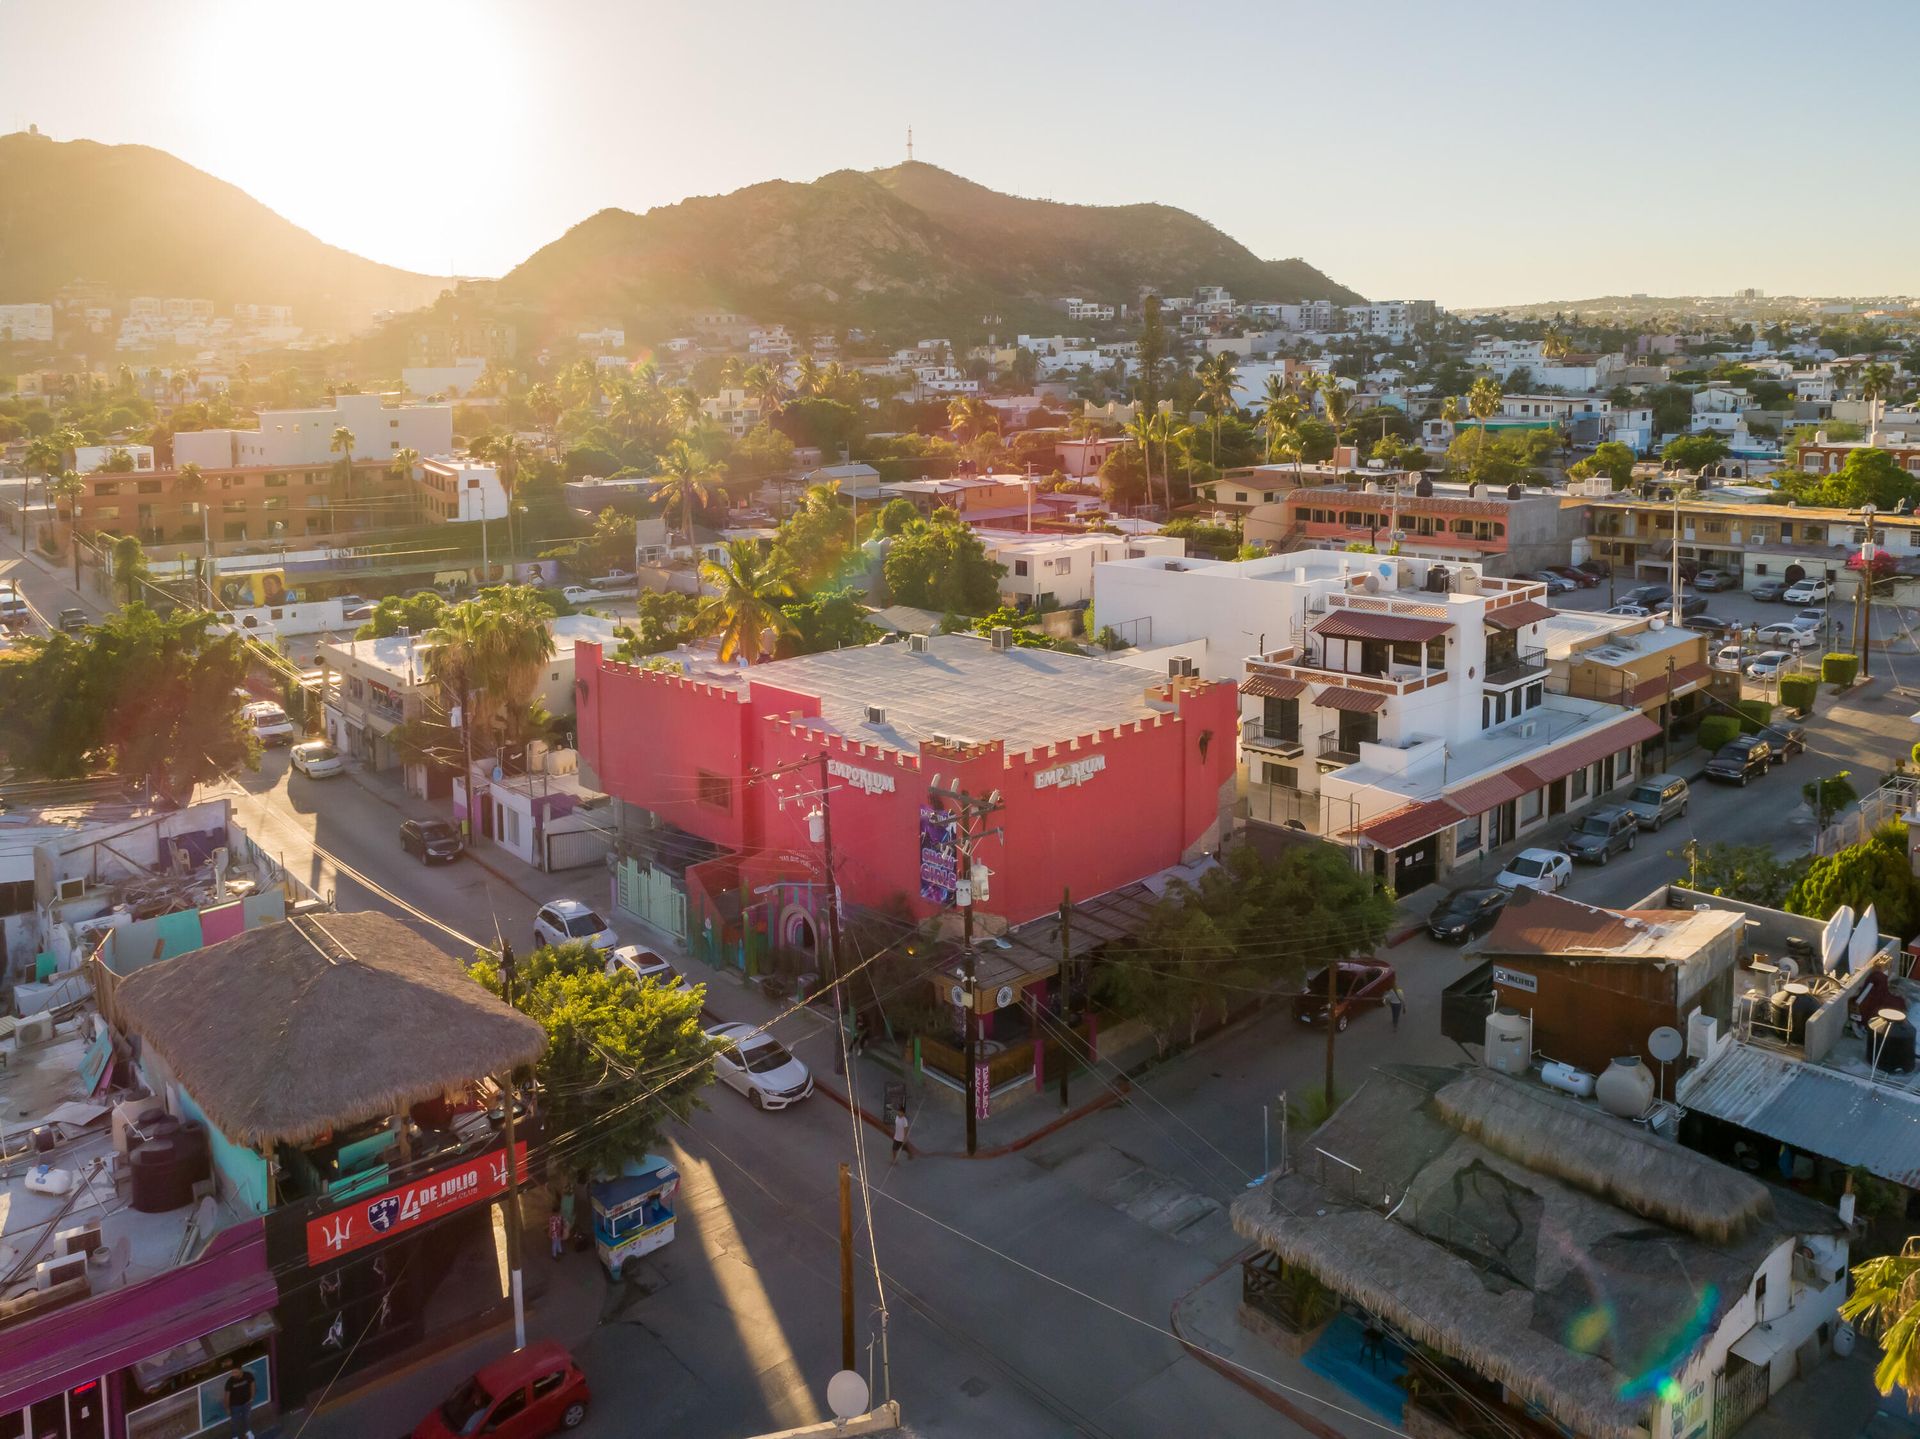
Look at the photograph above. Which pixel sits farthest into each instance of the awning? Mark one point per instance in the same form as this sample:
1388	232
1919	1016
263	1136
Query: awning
1516	780
116	1328
1684	679
1414	821
1760	1344
1353	701
1496	789
1272	687
1346	624
1527	612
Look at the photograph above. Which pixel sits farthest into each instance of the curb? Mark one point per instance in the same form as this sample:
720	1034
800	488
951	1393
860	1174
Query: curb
998	1151
1279	1403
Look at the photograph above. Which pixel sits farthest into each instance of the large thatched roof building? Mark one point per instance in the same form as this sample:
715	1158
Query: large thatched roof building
1570	1257
290	1030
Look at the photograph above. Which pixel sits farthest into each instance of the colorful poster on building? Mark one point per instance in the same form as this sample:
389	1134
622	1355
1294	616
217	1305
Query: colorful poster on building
394	1211
982	1091
239	592
939	857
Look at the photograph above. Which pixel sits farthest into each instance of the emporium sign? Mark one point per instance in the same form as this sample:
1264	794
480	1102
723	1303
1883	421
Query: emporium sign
867	781
1074	772
408	1206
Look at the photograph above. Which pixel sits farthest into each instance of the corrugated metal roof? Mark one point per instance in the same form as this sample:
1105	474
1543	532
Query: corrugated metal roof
1372	625
1413	822
1353	701
1275	687
1527	612
1836	1116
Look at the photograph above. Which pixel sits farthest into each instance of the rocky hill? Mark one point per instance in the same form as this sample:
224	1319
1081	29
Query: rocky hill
908	246
142	222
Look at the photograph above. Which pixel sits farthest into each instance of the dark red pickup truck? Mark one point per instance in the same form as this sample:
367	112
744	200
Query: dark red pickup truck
1360	982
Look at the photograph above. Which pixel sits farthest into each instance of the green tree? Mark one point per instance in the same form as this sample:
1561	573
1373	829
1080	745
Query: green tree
816	540
1153	349
941	565
751	585
415	614
129	568
1483	403
612	544
152	698
488	653
830	620
664	621
1868	477
342	445
1220	542
609	1042
1747	872
895	515
686	476
1609	458
1217	377
1886	1303
1875	873
1672	407
1694	452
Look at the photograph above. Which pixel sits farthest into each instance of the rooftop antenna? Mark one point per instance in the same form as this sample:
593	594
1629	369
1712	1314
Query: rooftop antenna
909	144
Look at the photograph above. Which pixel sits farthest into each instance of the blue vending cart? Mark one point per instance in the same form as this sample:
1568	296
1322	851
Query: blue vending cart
633	1215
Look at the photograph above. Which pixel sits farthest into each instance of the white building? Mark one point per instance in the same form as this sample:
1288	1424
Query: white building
462	491
1079	309
23	324
88	458
1052	571
305	437
732	409
1392	320
610	338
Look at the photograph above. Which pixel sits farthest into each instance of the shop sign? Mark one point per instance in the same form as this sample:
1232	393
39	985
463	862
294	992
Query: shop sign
407	1206
1515	979
1071	774
867	781
982	1091
939	856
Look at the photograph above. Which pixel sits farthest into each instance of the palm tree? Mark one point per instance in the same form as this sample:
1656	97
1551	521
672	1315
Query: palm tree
684	404
1876	383
1169	429
489	651
807	377
1140	430
1272	398
1450	411
751	585
732	371
1336	399
1886	1302
342	445
1216	376
765	390
1483	400
686	475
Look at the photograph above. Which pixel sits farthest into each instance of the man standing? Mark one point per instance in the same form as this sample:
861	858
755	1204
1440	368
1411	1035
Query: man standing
899	1136
239	1401
1396	1002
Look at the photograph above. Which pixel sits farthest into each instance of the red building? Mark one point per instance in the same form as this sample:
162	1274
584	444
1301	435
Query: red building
1106	773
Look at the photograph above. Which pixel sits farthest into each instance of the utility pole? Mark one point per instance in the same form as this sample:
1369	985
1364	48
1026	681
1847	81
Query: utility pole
1066	989
1666	718
972	813
833	894
848	1359
1333	1023
1866	596
513	1173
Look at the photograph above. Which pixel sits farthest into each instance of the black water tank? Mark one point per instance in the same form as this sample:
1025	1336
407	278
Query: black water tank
161	1178
1513	492
1424	488
1896	1055
1805	1006
196	1150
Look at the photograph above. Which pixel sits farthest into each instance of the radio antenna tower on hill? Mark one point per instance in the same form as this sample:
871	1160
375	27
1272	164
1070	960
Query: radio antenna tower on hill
909	144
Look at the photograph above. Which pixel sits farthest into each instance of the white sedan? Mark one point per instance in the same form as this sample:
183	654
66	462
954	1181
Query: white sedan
1728	659
1807	592
1633	612
1542	870
1769	665
640	964
317	760
759	1066
1790	636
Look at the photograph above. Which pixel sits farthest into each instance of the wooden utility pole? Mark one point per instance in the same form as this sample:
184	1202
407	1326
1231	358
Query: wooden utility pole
1066	990
847	1356
1866	597
513	1171
1333	1004
967	834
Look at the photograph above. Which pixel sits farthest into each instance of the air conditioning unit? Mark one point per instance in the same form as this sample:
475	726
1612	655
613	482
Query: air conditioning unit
34	1028
876	714
916	644
81	1240
60	1270
75	888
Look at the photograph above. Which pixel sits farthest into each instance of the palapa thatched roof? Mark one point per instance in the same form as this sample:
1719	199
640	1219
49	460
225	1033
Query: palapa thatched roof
1535	1247
318	1022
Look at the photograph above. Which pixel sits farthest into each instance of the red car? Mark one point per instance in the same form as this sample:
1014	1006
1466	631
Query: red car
533	1391
1360	982
1579	577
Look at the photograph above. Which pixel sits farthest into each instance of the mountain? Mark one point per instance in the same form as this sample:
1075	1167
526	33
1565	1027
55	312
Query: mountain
910	245
141	222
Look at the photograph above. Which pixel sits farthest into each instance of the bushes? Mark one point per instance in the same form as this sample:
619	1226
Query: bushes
1755	715
1718	730
1839	670
1797	692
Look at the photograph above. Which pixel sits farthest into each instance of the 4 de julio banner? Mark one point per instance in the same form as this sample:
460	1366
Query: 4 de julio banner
407	1206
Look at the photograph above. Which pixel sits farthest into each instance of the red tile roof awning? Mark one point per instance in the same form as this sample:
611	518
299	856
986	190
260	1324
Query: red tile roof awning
1482	795
1684	679
1354	701
1496	789
1272	687
1412	822
1527	612
1346	624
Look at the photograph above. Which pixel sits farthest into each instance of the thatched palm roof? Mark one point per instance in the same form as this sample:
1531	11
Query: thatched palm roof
1535	1247
292	1029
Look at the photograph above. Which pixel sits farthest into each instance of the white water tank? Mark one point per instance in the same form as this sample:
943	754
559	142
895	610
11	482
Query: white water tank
1626	1089
1566	1078
1506	1042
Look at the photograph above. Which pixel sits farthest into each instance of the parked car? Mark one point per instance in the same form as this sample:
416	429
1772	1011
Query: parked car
1356	982
1599	569
567	919
1812	621
351	602
1635	612
1691	605
72	621
1787	740
531	1392
15	612
269	722
1711	580
1546	871
1709	624
758	1066
1794	637
1767	591
434	840
1467	912
1556	584
1657	799
1769	665
1729	659
1807	591
359	613
638	964
1602	833
1578	576
1647	596
1741	759
316	759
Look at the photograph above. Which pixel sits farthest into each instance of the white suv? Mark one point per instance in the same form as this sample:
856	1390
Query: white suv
1807	592
270	723
567	919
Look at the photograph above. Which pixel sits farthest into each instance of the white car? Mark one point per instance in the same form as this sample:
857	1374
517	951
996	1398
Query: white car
1769	665
759	1066
1812	620
1792	636
269	722
1545	871
317	760
638	964
567	919
1637	612
1729	658
1806	592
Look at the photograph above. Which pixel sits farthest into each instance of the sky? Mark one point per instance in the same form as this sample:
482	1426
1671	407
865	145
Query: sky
1473	153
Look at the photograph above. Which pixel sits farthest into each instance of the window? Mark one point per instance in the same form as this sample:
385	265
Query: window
548	1383
1760	1296
103	513
1240	495
1466	835
513	825
148	487
1284	775
16	897
1064	565
275	482
1536	693
1020	568
106	487
715	790
1530	804
506	1409
1577	784
233	507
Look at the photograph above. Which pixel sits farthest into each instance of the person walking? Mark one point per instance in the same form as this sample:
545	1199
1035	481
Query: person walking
1396	1003
239	1396
900	1125
557	1232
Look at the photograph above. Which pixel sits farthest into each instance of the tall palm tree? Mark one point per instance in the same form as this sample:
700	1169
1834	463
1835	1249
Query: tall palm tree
1336	399
765	390
732	372
342	445
1170	430
1450	411
1483	400
684	405
806	376
1216	376
1876	383
489	651
686	475
751	584
1140	429
1886	1302
1272	398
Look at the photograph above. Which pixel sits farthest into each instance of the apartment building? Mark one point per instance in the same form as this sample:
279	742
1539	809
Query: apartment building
26	324
1636	535
733	409
1053	571
1822	456
1504	530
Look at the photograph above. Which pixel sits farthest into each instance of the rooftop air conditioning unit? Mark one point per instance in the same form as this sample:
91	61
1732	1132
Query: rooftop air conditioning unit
876	714
1002	637
916	644
74	888
60	1270
34	1028
81	1240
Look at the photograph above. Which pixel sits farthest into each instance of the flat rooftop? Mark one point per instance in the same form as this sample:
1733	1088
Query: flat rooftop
1551	723
962	688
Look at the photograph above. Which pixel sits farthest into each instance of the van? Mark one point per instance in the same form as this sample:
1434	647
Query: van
15	613
1656	800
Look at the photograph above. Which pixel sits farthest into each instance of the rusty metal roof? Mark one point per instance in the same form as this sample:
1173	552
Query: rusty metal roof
1348	624
1272	687
1527	612
1353	701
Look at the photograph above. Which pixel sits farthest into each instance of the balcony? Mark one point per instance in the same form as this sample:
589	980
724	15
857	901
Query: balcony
1338	750
1526	664
1254	734
1306	665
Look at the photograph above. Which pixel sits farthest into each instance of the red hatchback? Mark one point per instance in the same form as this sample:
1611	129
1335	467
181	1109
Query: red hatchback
533	1391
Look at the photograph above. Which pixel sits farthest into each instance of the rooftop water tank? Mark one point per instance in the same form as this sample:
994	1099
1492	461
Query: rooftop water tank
1506	1042
1626	1089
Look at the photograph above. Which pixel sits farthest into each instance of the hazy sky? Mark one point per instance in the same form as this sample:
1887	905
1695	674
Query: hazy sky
1468	152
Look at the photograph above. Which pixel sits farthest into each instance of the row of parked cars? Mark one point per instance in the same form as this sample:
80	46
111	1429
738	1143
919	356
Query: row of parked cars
1564	579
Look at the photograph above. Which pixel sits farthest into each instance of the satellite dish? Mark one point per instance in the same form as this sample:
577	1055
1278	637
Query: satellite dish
1865	940
847	1395
1665	1044
1834	935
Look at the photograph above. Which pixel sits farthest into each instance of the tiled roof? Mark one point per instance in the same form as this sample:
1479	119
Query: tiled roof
1412	822
1374	625
1272	687
1527	612
1354	701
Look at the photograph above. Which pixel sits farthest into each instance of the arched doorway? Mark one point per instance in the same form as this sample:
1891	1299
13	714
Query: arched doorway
798	935
1794	574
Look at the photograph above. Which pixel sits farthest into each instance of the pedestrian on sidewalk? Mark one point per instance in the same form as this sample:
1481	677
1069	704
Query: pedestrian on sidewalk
239	1396
557	1233
566	1212
1396	1003
900	1125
